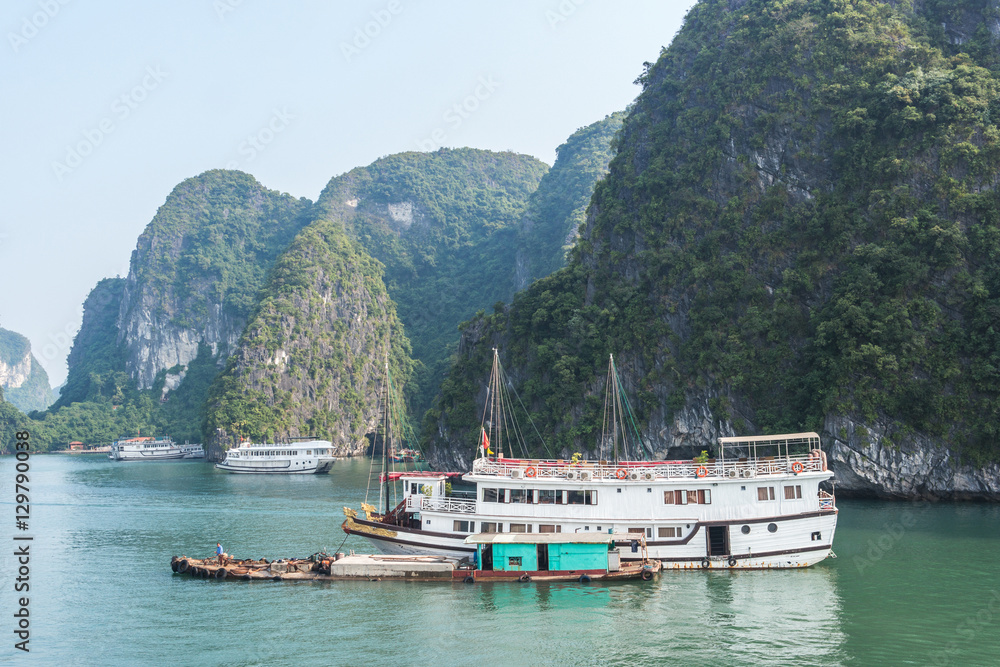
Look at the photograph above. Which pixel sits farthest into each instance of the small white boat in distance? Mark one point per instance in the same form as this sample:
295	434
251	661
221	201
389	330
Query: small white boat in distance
297	458
153	449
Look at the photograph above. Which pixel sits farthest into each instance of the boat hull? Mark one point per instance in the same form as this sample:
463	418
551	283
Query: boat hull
788	547
313	468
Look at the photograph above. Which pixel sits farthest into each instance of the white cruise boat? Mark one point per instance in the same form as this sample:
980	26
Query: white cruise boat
153	449
298	458
757	505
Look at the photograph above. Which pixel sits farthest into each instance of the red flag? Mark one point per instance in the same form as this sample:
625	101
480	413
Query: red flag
485	444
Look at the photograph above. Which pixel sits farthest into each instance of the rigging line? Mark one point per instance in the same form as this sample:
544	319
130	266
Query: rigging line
518	432
509	424
532	422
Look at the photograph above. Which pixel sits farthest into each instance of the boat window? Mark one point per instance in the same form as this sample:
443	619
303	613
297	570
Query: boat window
549	528
490	527
793	492
465	527
309	452
489	495
514	561
413	488
547	497
581	497
668	531
519	528
520	495
765	493
682	497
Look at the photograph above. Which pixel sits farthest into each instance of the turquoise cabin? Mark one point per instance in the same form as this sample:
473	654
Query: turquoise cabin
545	552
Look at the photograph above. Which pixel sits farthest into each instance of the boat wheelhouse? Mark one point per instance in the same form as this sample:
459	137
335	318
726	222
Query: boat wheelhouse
757	504
298	458
153	449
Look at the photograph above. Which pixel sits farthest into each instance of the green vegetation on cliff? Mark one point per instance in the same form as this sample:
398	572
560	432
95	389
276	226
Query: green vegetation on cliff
312	358
801	220
558	207
444	224
213	242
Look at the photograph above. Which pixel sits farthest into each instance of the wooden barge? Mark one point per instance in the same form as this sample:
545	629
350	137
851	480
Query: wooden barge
498	557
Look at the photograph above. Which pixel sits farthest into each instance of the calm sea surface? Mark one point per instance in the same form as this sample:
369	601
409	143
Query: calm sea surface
914	584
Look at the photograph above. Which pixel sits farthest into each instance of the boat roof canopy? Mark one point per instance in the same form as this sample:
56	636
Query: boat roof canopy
540	538
419	474
790	438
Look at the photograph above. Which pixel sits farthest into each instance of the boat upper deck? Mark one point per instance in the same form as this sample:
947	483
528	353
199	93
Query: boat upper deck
762	456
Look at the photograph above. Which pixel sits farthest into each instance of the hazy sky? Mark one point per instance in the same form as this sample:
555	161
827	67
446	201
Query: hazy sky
108	105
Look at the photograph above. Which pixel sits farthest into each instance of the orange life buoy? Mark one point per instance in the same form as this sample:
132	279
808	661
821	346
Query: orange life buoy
621	473
530	471
797	467
702	471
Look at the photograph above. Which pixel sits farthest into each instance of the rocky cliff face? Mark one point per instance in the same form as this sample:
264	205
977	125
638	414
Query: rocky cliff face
867	462
24	382
197	267
312	361
790	237
445	227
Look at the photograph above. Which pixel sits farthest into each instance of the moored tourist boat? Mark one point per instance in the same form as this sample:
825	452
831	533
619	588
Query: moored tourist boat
757	504
153	449
297	458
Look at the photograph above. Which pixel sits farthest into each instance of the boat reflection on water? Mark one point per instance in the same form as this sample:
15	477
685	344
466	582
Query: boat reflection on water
732	618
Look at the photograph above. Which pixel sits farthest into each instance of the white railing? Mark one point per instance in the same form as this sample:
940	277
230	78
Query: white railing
642	470
416	503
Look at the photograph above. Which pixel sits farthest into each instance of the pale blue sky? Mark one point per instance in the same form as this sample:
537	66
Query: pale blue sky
108	105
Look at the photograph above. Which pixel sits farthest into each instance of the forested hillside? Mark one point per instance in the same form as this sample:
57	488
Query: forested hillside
312	360
800	230
445	226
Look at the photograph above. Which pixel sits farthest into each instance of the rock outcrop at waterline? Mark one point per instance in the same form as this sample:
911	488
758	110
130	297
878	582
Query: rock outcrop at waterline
801	226
867	463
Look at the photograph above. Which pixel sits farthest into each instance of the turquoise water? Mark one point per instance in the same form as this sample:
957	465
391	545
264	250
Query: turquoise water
914	584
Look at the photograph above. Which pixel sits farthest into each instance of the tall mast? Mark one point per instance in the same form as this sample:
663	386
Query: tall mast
385	442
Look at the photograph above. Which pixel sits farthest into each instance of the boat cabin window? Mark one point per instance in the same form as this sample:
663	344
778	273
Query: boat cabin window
581	497
793	492
514	561
490	527
465	527
668	531
521	495
693	497
549	528
765	493
413	488
550	497
493	495
520	528
309	452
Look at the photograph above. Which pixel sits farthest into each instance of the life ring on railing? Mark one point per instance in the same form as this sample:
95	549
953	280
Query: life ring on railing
530	471
702	471
797	467
621	473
